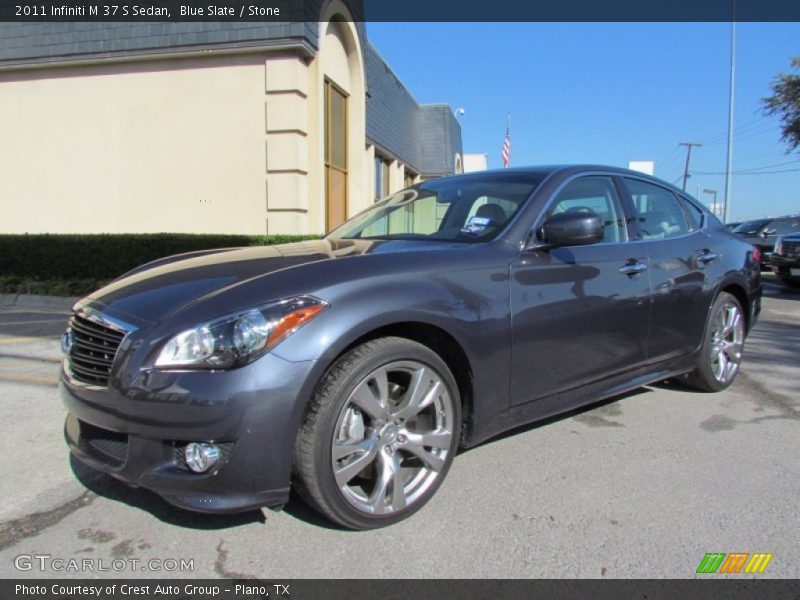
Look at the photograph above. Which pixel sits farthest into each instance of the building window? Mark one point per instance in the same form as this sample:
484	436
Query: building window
335	155
381	177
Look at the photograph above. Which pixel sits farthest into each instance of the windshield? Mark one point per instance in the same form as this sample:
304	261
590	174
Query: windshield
472	208
751	227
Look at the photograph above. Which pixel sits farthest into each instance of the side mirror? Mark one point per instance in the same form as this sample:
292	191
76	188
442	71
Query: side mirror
573	229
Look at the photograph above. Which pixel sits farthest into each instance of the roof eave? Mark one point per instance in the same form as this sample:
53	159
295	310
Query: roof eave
300	46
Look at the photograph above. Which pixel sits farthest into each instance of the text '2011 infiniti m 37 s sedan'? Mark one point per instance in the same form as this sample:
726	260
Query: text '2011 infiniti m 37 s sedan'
354	367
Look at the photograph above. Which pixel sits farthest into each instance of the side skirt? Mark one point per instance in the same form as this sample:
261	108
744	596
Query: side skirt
549	406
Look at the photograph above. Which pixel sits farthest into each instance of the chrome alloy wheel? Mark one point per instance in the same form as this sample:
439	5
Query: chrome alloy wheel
392	437
727	342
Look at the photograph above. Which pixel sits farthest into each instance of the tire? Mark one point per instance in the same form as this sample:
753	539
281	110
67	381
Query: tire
379	435
723	346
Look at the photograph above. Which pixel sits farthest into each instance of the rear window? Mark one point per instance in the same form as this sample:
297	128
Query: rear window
659	213
785	226
695	214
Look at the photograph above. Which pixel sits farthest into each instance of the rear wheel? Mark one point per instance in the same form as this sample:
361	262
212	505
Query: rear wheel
723	347
379	435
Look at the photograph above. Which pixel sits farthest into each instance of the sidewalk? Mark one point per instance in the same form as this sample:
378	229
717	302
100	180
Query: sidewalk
35	301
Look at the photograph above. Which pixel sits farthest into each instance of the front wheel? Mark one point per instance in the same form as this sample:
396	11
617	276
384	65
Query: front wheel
379	434
723	346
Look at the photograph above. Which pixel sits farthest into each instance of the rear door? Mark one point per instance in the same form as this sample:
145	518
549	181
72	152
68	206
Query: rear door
681	258
579	313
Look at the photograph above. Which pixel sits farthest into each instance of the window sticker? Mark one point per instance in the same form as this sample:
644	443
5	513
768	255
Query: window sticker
476	225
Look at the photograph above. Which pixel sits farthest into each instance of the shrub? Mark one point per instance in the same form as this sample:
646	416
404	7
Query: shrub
67	264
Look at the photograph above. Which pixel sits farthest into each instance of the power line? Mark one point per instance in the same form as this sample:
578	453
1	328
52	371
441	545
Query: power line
746	172
754	170
746	135
783	164
741	129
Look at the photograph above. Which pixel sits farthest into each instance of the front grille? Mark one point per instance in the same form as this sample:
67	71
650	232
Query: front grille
93	350
106	446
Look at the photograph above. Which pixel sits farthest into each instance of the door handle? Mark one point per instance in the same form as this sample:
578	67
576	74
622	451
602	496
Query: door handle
633	267
706	256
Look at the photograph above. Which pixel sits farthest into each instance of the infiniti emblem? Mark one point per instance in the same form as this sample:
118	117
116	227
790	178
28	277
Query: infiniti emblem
67	341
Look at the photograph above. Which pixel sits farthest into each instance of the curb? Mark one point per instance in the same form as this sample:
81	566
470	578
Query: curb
64	303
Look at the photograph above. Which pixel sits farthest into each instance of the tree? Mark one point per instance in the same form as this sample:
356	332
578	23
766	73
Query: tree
785	103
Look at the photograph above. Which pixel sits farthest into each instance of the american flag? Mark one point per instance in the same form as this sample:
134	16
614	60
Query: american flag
507	147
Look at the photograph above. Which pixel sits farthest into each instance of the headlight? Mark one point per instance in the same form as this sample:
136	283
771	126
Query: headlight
239	338
778	246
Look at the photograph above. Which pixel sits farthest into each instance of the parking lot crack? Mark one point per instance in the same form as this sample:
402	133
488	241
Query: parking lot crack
220	565
16	530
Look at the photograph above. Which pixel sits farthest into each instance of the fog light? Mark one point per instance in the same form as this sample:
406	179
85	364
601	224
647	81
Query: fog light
201	456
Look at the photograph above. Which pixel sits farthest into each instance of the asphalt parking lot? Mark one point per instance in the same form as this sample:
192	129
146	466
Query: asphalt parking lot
641	486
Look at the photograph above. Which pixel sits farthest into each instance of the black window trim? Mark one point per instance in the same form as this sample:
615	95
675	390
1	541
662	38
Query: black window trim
685	200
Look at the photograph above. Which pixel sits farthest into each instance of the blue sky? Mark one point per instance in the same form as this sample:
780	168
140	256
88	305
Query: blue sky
611	92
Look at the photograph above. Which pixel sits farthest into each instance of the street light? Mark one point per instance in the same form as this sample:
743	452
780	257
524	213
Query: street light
731	90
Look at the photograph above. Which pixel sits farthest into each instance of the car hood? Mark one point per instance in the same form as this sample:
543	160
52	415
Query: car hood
157	290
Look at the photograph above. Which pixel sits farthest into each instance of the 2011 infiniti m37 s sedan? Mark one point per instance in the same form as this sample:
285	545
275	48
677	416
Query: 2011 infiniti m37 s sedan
354	367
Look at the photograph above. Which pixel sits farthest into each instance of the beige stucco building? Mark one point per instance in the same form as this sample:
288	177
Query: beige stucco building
207	127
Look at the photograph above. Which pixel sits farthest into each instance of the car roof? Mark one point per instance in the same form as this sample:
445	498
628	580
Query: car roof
565	170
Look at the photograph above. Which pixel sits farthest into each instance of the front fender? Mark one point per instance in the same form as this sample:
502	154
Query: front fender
476	316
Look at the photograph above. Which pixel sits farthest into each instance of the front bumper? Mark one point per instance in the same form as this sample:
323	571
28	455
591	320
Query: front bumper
135	432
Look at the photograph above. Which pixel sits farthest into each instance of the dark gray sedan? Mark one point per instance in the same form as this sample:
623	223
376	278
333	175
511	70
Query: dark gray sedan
353	368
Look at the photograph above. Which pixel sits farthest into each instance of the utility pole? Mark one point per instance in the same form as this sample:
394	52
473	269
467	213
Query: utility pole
688	158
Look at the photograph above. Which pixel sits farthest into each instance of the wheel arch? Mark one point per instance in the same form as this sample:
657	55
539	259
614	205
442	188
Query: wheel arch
439	341
736	288
738	291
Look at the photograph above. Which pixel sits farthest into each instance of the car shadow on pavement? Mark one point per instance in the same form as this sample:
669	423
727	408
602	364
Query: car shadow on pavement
298	509
772	344
108	487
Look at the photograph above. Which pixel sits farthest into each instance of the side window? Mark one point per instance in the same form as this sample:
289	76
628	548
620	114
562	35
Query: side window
695	215
594	194
658	211
785	226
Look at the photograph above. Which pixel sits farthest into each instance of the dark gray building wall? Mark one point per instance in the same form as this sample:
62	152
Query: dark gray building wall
30	41
426	138
392	113
440	138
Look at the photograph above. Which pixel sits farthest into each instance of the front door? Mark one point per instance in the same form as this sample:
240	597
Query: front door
579	313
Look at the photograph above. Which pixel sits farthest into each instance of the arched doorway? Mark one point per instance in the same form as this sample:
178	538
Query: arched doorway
343	114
